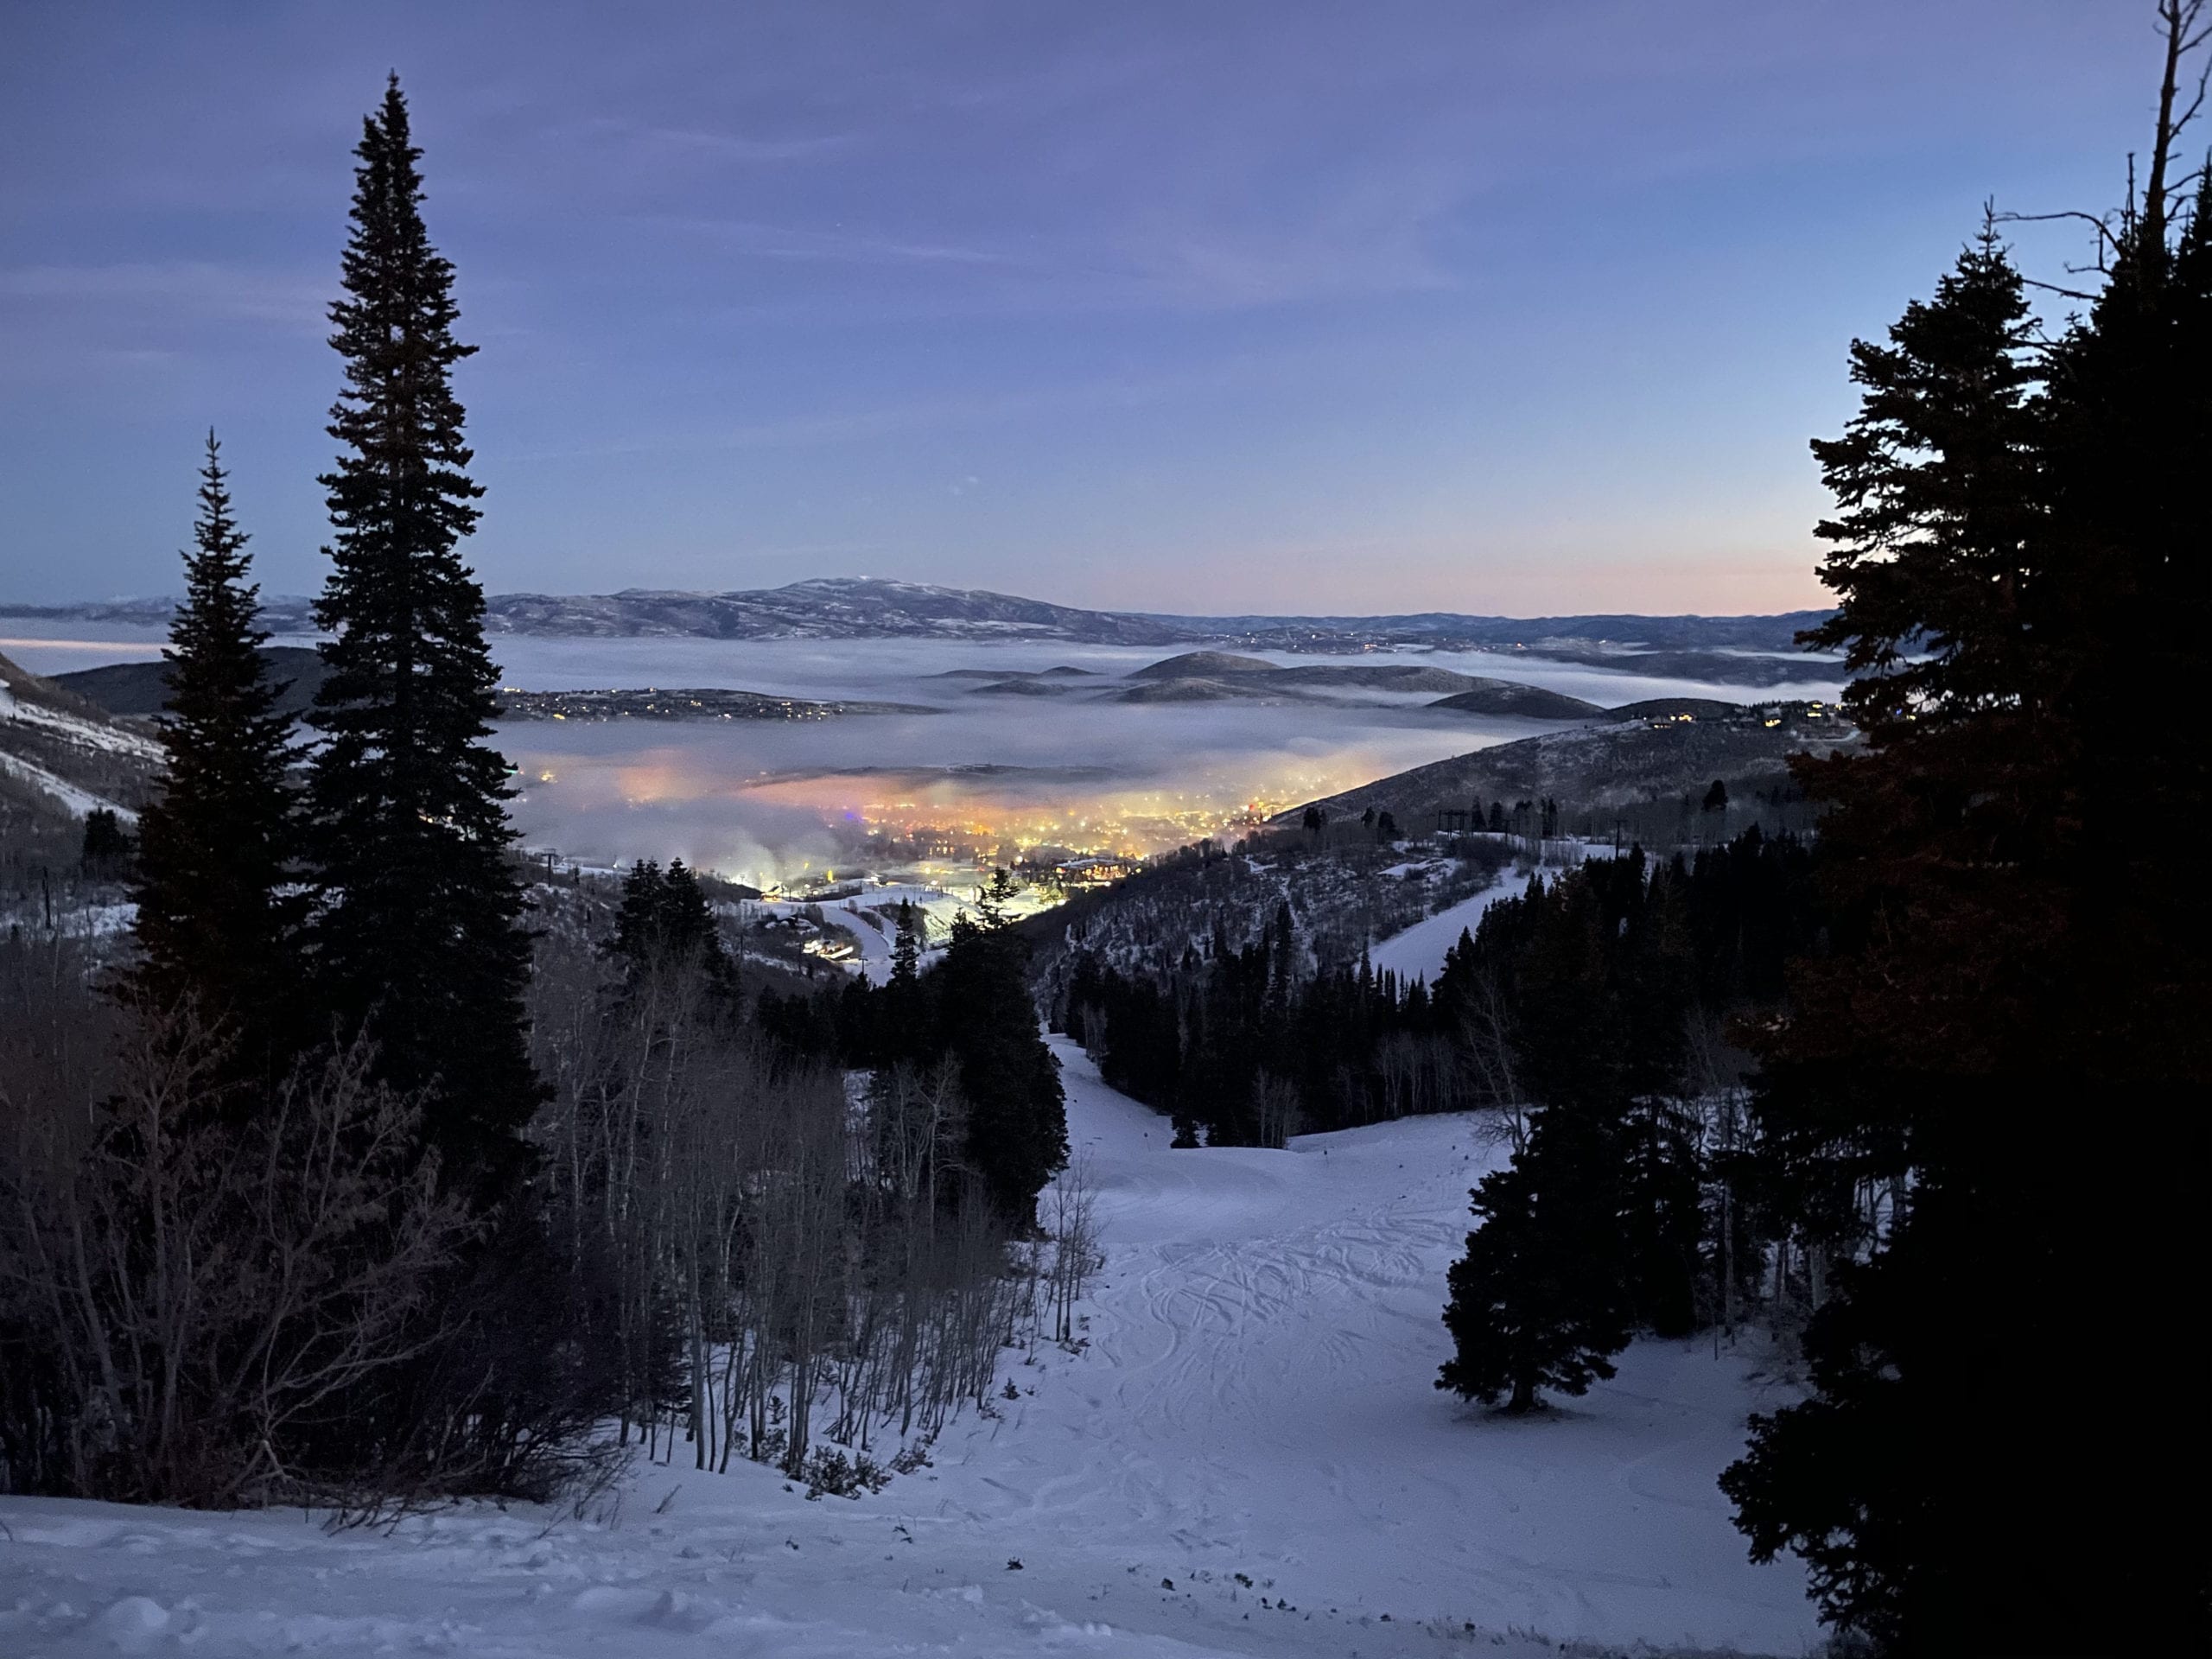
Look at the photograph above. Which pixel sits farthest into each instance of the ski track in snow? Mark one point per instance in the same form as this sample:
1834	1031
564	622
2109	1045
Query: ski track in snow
1257	1398
1418	952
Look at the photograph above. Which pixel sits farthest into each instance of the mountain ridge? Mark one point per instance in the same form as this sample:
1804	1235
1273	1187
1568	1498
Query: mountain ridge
862	607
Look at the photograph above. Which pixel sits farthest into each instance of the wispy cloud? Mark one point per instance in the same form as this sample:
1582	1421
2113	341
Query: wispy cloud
1375	234
927	415
198	289
769	241
712	144
1157	258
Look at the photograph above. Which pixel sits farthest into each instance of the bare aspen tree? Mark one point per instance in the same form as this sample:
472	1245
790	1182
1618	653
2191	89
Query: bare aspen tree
1275	1108
789	1254
1485	1049
216	1274
1071	1205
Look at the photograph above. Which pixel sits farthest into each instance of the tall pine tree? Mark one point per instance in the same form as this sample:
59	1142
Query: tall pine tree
1919	1057
418	929
2017	998
217	920
665	923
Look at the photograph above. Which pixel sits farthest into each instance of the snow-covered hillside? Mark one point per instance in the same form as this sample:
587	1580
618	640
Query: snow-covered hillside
1249	1458
65	756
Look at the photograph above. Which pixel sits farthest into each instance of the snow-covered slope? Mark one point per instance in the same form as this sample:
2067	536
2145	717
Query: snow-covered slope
67	752
86	730
59	790
1249	1458
1418	952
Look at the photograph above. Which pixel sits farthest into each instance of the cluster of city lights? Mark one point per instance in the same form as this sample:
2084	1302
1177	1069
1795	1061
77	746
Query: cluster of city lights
1131	829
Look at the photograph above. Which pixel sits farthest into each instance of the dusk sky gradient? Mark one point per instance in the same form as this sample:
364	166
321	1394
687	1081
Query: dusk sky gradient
1197	306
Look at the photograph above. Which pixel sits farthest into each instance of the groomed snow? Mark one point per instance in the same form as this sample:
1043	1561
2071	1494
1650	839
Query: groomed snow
1256	1399
1418	952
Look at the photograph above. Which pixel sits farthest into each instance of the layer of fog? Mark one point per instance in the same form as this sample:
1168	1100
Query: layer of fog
771	799
907	670
763	800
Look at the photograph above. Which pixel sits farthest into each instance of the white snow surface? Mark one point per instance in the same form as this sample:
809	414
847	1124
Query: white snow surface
88	735
72	799
1418	952
91	734
1256	1399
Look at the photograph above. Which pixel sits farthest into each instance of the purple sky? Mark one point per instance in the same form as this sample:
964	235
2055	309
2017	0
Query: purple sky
1273	305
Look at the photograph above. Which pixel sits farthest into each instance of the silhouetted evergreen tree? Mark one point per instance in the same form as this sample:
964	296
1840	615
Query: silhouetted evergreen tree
1017	1113
1659	1215
2019	932
1603	1220
907	947
900	1018
417	928
1894	1060
216	924
1538	1300
107	850
665	920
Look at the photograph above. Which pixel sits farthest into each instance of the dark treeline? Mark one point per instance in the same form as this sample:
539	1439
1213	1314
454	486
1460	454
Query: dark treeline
1972	1124
347	1178
1249	1045
1634	1197
972	1018
2010	1034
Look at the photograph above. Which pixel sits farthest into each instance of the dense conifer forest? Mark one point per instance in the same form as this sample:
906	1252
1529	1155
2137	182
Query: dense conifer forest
1249	1045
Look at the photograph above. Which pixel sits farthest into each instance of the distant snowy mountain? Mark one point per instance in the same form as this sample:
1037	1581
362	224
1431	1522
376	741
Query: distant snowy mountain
866	607
1742	649
826	607
879	609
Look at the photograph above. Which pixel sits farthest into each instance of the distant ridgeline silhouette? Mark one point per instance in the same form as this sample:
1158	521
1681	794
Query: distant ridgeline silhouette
1733	650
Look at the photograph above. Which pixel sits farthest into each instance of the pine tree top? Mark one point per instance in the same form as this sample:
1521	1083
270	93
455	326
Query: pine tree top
216	845
397	414
219	685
